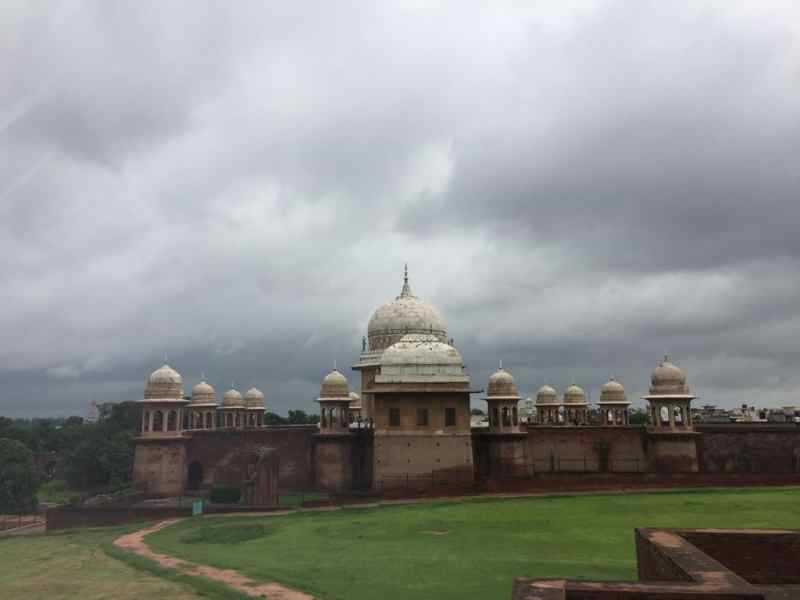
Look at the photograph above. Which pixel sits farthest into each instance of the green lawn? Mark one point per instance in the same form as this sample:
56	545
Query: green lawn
470	549
74	565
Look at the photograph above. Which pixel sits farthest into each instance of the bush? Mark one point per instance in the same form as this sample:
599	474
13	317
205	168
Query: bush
225	495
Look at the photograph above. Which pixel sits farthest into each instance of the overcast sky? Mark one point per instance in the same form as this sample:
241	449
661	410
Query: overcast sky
578	186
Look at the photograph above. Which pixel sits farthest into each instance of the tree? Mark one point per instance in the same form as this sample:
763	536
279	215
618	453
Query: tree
637	416
270	418
299	417
18	482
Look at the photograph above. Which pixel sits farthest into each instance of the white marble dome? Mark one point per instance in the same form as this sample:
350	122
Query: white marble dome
422	350
203	393
404	315
547	395
254	398
164	382
232	399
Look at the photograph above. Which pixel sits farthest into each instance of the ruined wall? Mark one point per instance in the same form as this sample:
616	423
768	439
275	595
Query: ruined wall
749	448
159	466
593	449
219	454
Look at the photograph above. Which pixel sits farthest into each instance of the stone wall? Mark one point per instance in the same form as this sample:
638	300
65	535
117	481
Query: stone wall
404	458
159	466
219	454
593	449
749	448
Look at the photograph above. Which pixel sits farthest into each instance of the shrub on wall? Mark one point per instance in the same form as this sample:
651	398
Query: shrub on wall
225	494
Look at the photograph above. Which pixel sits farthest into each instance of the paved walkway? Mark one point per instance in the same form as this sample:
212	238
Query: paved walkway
134	542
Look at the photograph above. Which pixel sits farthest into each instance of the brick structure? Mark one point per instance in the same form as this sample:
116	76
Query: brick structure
693	564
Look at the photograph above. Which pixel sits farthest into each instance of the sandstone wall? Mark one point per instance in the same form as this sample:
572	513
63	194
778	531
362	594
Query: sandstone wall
745	448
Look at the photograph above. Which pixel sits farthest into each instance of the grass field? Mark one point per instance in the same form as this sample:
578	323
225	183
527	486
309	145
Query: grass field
74	565
470	549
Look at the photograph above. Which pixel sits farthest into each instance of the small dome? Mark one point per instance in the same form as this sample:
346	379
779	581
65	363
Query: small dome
232	399
668	379
164	382
334	387
355	401
203	393
612	392
404	315
254	398
501	385
422	349
574	394
547	395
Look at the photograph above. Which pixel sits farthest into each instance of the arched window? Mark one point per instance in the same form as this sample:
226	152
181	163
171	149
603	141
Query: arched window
158	421
146	425
618	417
678	412
515	415
260	419
237	419
664	415
209	420
506	417
229	420
172	421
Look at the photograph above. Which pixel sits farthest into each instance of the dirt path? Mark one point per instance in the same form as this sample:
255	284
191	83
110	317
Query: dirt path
134	542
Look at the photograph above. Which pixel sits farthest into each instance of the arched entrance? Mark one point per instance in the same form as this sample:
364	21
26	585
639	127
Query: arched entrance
195	476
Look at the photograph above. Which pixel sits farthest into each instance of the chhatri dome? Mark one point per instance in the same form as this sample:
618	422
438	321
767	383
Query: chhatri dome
574	394
254	398
203	393
668	380
334	387
613	392
547	395
502	386
164	382
404	315
232	399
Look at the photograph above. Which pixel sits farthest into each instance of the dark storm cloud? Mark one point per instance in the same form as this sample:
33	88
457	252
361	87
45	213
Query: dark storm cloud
580	187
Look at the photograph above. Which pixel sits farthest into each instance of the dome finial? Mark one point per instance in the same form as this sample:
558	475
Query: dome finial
501	364
406	292
202	375
334	365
